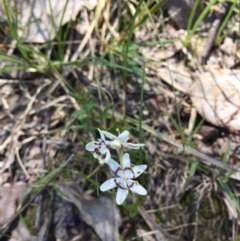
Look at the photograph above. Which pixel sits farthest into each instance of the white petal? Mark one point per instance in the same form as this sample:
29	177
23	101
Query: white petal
101	135
108	143
96	155
124	136
126	160
109	135
113	165
133	145
136	187
101	161
109	184
138	170
103	158
108	156
91	146
103	148
121	195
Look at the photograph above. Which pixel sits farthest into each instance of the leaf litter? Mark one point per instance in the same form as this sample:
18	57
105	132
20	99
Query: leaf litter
34	141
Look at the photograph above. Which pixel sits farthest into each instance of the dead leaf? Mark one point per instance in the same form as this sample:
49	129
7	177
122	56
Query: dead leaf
101	214
20	233
215	93
180	11
151	146
33	152
38	21
229	48
176	76
217	97
6	163
236	176
10	196
4	177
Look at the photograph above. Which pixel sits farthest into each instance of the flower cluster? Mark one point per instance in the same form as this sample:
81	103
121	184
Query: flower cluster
125	173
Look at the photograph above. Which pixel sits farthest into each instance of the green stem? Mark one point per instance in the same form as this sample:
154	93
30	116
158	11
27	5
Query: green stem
120	154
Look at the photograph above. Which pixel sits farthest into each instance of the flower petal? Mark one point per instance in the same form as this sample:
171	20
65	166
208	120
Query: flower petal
134	186
108	143
124	136
109	135
102	148
115	167
103	158
101	135
122	193
91	146
108	156
133	145
138	170
109	184
96	155
101	161
126	161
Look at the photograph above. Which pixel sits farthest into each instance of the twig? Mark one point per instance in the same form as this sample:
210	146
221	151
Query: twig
20	162
154	226
46	120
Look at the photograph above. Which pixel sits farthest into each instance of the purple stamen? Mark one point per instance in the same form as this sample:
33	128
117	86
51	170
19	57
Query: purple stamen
102	142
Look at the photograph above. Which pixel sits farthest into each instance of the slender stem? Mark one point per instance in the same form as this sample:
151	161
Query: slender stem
120	154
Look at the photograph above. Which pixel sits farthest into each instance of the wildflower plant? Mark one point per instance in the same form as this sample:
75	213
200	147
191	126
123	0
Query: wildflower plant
125	173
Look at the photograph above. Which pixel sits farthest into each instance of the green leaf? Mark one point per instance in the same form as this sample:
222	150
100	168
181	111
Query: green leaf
104	113
193	168
131	209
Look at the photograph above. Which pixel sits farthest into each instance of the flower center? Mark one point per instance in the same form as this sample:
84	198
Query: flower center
101	144
128	173
121	184
116	144
100	148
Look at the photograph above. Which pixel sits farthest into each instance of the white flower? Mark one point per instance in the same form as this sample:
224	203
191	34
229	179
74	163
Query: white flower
124	180
121	140
100	149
